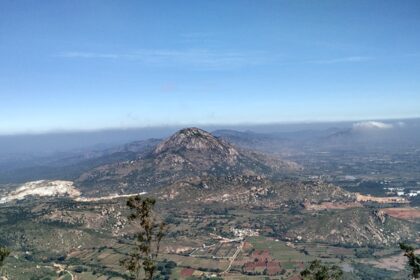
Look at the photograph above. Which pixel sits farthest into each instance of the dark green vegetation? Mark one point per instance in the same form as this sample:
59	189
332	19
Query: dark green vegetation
4	253
319	271
147	240
413	260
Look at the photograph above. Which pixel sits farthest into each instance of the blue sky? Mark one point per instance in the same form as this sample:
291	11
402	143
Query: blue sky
76	65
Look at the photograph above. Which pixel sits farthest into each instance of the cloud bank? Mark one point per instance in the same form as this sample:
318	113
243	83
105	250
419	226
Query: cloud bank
370	125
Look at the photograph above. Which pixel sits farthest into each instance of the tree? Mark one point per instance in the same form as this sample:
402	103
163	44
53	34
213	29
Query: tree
147	240
318	271
4	253
413	260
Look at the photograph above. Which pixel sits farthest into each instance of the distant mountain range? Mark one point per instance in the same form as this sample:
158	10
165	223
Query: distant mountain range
370	136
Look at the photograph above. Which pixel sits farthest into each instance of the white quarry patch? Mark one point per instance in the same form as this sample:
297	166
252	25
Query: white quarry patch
42	188
58	188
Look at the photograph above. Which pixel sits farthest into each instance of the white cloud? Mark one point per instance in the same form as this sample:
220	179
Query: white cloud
89	55
194	57
368	125
341	60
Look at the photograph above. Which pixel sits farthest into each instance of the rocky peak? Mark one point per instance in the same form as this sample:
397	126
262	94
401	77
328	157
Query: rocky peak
189	153
196	140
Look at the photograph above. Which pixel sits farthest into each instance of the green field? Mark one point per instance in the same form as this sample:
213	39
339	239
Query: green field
278	249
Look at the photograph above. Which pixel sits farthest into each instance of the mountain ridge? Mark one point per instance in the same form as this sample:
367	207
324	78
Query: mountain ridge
190	152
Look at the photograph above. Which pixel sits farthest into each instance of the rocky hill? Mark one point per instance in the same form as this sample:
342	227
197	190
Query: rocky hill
189	153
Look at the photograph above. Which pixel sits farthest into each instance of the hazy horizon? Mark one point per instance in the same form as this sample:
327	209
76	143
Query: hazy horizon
62	141
234	126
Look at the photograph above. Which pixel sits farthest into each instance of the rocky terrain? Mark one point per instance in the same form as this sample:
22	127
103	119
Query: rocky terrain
186	155
354	226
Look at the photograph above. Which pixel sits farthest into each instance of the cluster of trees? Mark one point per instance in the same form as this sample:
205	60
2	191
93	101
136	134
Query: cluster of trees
165	268
319	271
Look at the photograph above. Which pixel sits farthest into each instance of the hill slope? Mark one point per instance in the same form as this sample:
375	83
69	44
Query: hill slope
190	152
